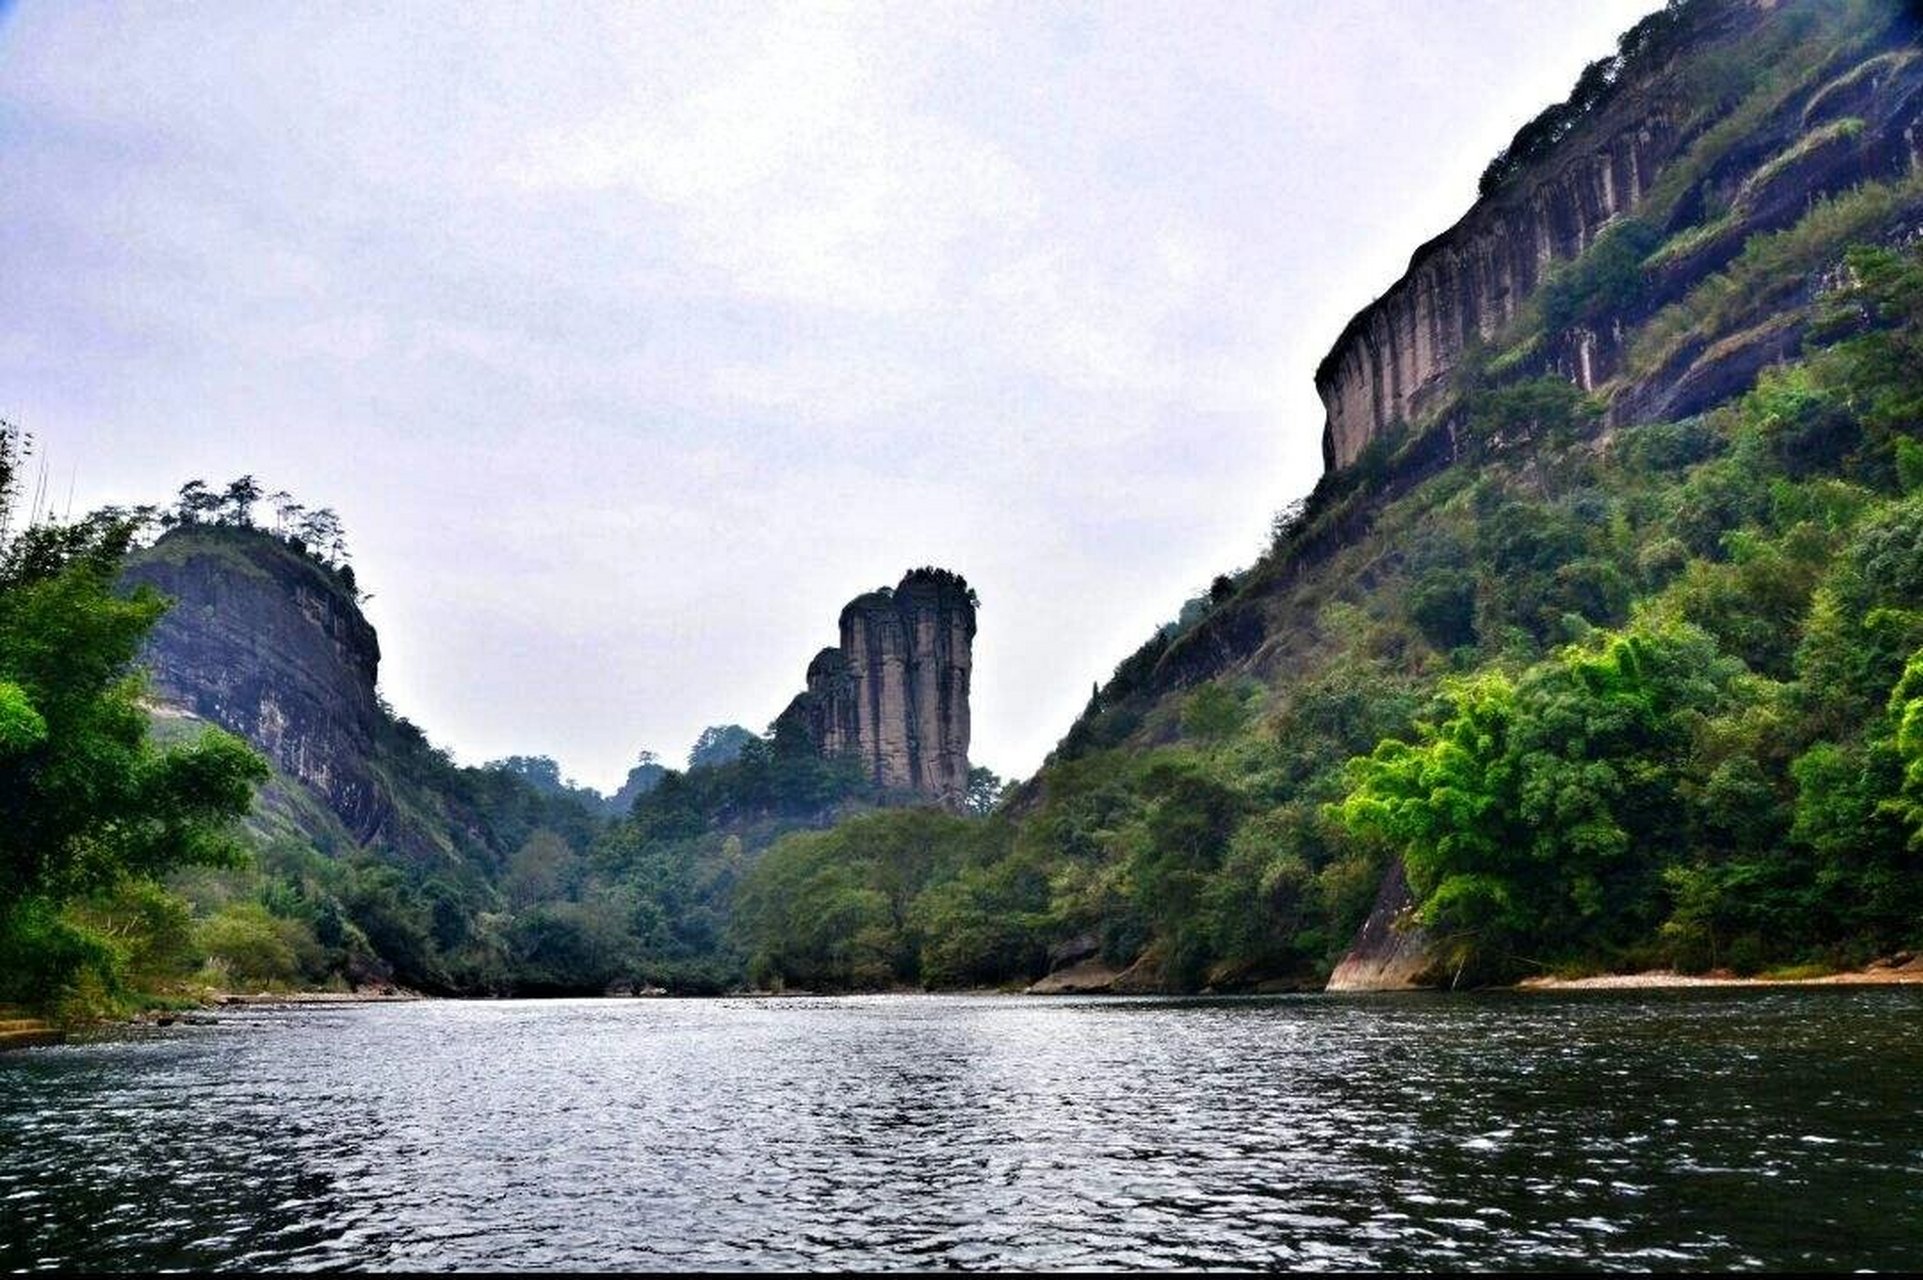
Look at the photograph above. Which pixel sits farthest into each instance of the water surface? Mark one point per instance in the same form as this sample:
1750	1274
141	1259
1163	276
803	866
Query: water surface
1749	1129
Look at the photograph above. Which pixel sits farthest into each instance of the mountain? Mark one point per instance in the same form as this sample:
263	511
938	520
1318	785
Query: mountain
390	860
894	694
1714	124
1647	396
378	858
1624	247
268	643
1598	645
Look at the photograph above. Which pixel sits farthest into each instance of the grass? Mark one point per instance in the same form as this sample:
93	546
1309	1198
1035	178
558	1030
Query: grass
1797	972
1807	145
1688	241
1789	72
1770	267
1735	342
1894	60
233	549
1511	358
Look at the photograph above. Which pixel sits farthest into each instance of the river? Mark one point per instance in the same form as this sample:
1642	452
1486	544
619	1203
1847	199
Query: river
1644	1129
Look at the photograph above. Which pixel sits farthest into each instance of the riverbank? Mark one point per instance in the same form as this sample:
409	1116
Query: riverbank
199	1010
364	995
1894	971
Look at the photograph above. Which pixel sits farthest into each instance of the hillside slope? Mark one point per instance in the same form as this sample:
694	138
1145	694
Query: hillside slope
1661	305
376	855
1644	412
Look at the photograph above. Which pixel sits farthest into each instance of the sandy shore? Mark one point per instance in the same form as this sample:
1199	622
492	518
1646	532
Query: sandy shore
1882	974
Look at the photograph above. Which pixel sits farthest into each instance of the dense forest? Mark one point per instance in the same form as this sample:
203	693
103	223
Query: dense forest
1617	692
1613	689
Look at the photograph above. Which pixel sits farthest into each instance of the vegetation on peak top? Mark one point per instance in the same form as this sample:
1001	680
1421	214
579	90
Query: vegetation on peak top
1644	47
206	520
719	744
91	805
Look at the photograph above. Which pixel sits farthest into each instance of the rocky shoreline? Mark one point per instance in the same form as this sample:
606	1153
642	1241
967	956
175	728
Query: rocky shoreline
365	995
1093	977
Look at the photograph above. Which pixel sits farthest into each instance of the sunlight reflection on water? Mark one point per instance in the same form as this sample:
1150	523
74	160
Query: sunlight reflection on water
1618	1129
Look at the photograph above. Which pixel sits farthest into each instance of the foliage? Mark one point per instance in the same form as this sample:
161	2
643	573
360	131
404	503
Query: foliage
1620	693
1643	47
844	908
1770	270
986	789
719	744
1606	282
1534	819
1670	673
88	802
317	534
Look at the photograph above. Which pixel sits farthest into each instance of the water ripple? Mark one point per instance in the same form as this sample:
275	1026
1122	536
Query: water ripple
1617	1130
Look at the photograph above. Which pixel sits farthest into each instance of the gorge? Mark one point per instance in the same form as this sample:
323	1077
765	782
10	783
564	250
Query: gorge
1591	648
1517	864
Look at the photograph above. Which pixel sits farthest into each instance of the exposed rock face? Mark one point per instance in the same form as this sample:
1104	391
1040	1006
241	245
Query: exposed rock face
1390	952
894	695
1854	118
1858	122
270	646
1394	358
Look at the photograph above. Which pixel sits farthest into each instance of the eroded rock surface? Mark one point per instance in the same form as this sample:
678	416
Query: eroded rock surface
1851	123
271	646
894	694
1390	952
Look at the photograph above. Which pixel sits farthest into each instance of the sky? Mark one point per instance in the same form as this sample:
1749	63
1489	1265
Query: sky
632	340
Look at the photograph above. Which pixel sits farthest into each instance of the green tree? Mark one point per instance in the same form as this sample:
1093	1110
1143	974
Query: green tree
985	790
1443	607
1906	713
196	503
1540	411
87	800
1534	819
1213	712
718	744
237	502
1184	833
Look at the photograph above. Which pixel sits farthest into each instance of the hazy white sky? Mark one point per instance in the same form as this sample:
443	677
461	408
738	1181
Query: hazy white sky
632	340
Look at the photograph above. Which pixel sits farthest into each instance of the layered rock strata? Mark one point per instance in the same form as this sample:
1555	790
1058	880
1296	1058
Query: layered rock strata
1465	285
894	694
1852	123
271	646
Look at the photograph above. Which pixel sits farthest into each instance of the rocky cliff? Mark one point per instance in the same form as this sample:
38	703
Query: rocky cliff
1730	204
1682	222
894	694
1776	105
268	644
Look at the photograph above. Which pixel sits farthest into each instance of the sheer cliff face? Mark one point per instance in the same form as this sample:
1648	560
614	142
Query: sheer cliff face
894	695
268	645
1393	359
1847	122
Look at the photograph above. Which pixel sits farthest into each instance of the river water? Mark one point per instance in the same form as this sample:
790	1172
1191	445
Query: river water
1754	1129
